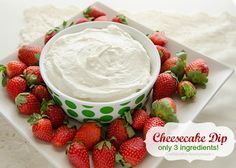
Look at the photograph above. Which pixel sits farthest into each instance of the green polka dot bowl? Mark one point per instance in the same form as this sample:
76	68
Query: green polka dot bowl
102	111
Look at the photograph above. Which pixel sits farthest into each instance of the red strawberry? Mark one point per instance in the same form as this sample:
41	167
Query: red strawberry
139	119
158	38
176	64
27	103
32	75
104	155
82	20
186	90
120	19
101	18
89	133
197	72
165	109
49	35
93	12
63	135
165	86
54	113
29	54
13	68
55	30
41	127
78	155
119	131
163	52
152	122
15	86
132	152
41	93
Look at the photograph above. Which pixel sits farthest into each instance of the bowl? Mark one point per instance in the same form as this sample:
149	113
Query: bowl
102	111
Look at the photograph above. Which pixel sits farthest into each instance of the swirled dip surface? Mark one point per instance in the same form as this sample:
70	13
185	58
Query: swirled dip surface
98	65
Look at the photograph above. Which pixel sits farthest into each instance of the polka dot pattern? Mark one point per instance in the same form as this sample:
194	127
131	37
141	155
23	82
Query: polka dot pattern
123	104
106	110
72	113
88	113
57	100
106	118
139	99
123	110
70	104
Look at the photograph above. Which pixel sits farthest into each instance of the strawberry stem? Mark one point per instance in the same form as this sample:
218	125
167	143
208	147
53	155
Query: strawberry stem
3	69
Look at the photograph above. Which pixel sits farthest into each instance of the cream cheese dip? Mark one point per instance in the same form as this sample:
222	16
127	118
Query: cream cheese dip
98	65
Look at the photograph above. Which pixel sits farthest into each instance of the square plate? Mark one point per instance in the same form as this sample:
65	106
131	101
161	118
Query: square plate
219	73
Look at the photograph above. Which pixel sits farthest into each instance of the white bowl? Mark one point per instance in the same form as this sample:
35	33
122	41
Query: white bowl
103	111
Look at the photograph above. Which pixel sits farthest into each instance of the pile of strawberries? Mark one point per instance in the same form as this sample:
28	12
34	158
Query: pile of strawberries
115	142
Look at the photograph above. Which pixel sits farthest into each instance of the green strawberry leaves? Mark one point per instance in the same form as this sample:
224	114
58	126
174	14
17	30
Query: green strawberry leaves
87	11
187	92
44	106
119	159
21	99
58	29
3	70
123	19
161	54
164	111
197	77
34	118
100	145
129	131
128	117
179	68
37	56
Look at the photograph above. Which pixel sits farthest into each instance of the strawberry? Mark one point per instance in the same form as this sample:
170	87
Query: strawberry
197	72
186	90
131	152
139	118
32	75
13	68
29	54
176	64
78	155
163	52
152	122
41	127
119	131
49	35
41	93
54	113
15	86
104	155
158	38
165	109
89	133
27	103
165	85
63	135
120	19
55	30
93	12
101	18
82	20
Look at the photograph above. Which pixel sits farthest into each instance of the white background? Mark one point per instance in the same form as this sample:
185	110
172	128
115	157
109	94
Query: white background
11	12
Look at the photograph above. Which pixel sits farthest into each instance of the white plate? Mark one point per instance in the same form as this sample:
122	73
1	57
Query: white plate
219	73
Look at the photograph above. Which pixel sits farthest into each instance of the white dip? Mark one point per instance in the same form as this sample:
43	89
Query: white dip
98	65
